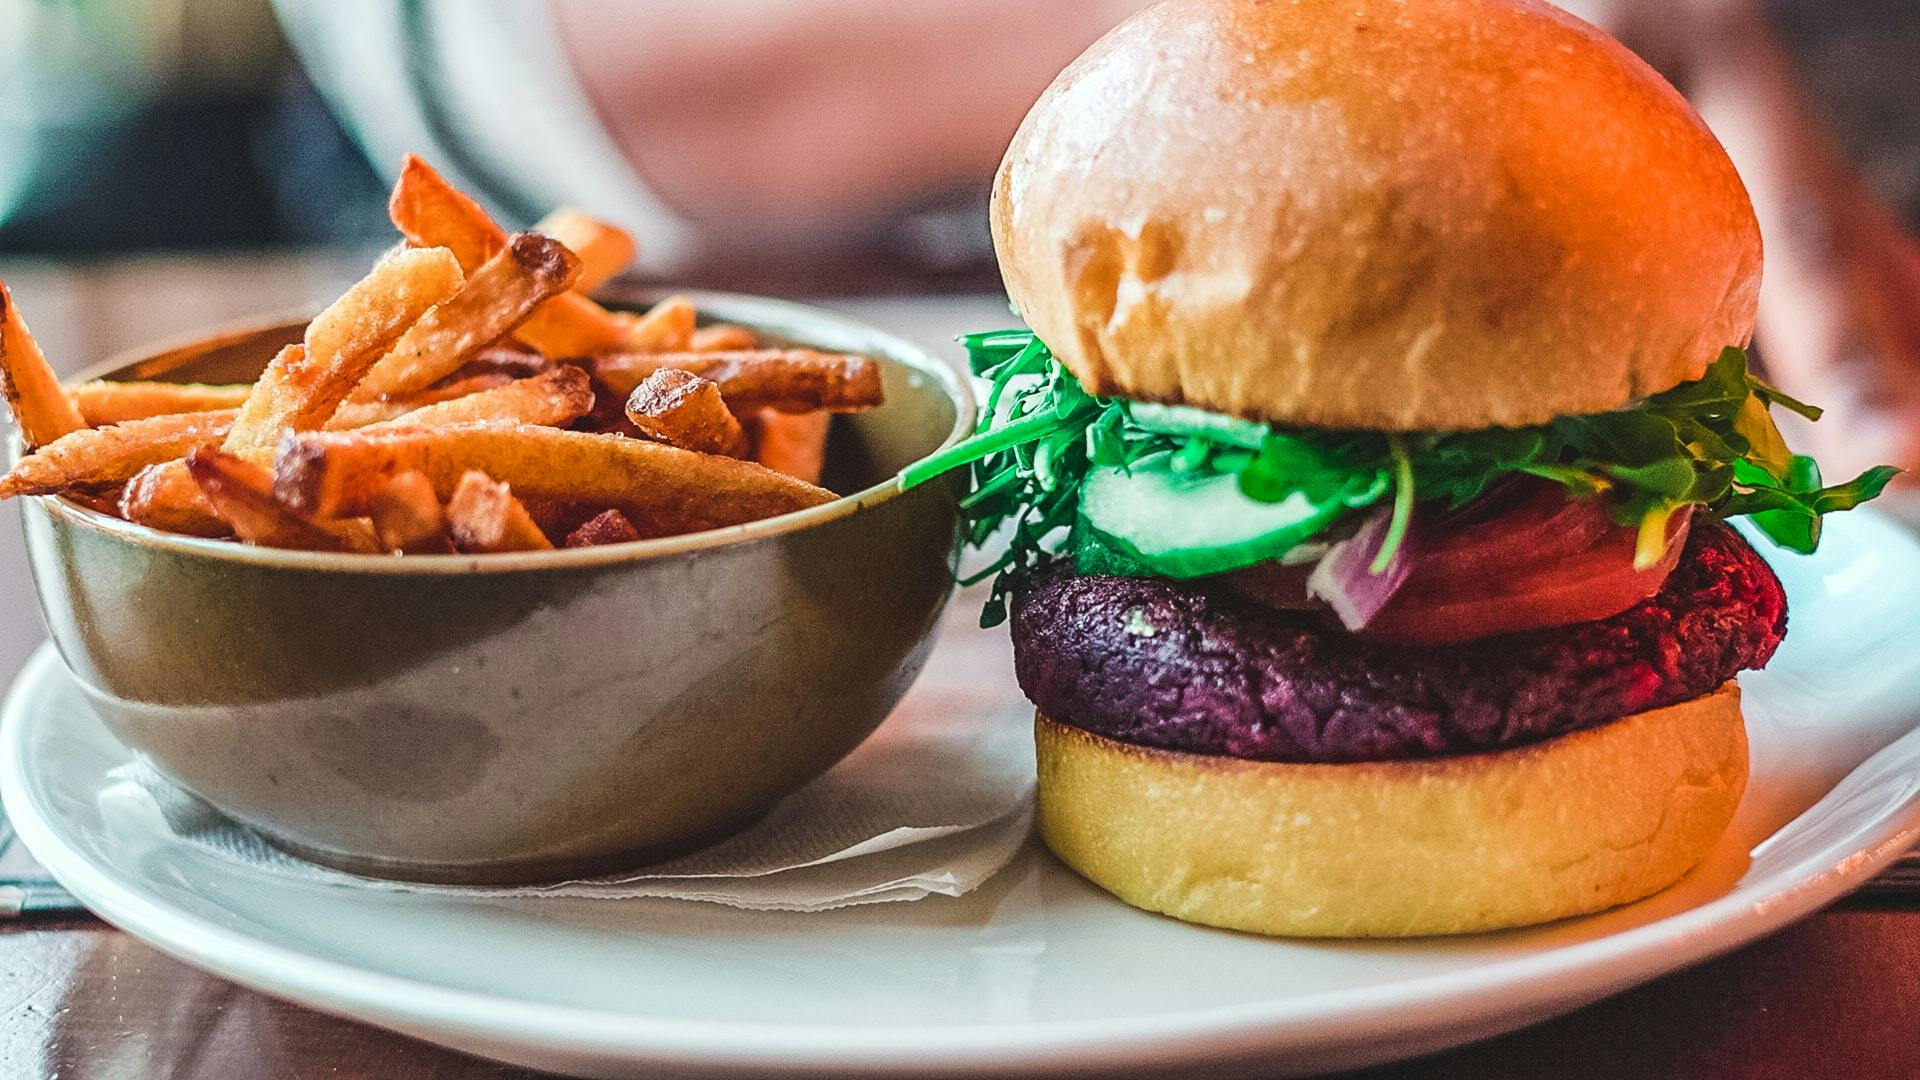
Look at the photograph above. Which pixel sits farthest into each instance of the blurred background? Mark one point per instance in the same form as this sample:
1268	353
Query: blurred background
810	128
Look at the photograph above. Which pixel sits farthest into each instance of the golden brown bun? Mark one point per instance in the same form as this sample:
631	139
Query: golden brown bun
1573	825
1446	215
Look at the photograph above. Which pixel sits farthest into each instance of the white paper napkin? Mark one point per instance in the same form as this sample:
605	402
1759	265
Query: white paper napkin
934	804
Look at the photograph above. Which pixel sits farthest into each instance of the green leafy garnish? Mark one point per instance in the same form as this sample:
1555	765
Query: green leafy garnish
1710	443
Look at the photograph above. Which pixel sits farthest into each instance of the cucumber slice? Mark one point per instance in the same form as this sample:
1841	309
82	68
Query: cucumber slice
1185	525
1187	420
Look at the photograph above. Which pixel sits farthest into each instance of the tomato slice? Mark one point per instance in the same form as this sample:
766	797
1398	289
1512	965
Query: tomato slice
1525	558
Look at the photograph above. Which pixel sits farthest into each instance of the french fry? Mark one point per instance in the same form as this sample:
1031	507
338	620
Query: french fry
359	414
682	409
667	326
792	443
605	250
407	516
242	494
559	396
165	497
498	296
304	385
330	474
102	402
485	518
723	337
501	360
111	455
104	500
793	380
431	212
611	527
40	408
465	396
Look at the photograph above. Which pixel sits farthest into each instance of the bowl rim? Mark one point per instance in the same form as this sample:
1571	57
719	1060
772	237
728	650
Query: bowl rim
786	317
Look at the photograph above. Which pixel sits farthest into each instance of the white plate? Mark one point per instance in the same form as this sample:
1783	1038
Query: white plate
1037	972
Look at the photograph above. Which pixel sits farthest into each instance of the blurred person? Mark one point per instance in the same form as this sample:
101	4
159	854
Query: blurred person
142	124
795	126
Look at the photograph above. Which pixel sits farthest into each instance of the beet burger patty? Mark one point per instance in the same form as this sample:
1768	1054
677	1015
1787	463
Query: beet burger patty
1359	484
1161	664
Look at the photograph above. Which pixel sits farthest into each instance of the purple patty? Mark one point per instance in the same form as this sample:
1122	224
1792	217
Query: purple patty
1172	665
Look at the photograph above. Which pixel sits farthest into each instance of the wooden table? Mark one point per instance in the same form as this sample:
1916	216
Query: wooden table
1836	995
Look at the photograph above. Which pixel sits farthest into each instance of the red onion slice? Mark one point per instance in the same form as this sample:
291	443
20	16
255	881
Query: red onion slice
1344	577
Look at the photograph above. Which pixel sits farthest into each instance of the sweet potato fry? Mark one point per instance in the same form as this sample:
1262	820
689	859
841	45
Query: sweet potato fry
334	473
611	527
242	494
110	455
682	409
165	497
102	402
40	408
407	516
485	518
793	380
605	250
666	327
432	212
792	443
498	296
559	396
723	337
303	386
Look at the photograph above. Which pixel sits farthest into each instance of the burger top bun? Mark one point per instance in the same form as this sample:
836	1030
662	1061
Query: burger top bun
1431	214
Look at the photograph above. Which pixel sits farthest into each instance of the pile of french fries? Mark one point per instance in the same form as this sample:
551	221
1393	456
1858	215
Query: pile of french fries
466	396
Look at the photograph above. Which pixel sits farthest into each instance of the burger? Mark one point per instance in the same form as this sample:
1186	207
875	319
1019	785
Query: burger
1359	492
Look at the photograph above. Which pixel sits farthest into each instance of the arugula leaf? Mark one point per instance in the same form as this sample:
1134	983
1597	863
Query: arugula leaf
1711	443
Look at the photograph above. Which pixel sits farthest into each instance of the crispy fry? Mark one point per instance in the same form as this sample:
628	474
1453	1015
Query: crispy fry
485	518
102	402
793	380
303	387
605	250
559	396
571	325
359	414
430	211
611	527
723	337
501	360
334	473
682	409
465	396
666	327
40	408
407	516
104	500
499	296
165	497
110	455
242	494
792	443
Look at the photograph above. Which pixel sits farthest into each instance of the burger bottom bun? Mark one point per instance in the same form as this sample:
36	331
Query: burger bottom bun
1573	825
